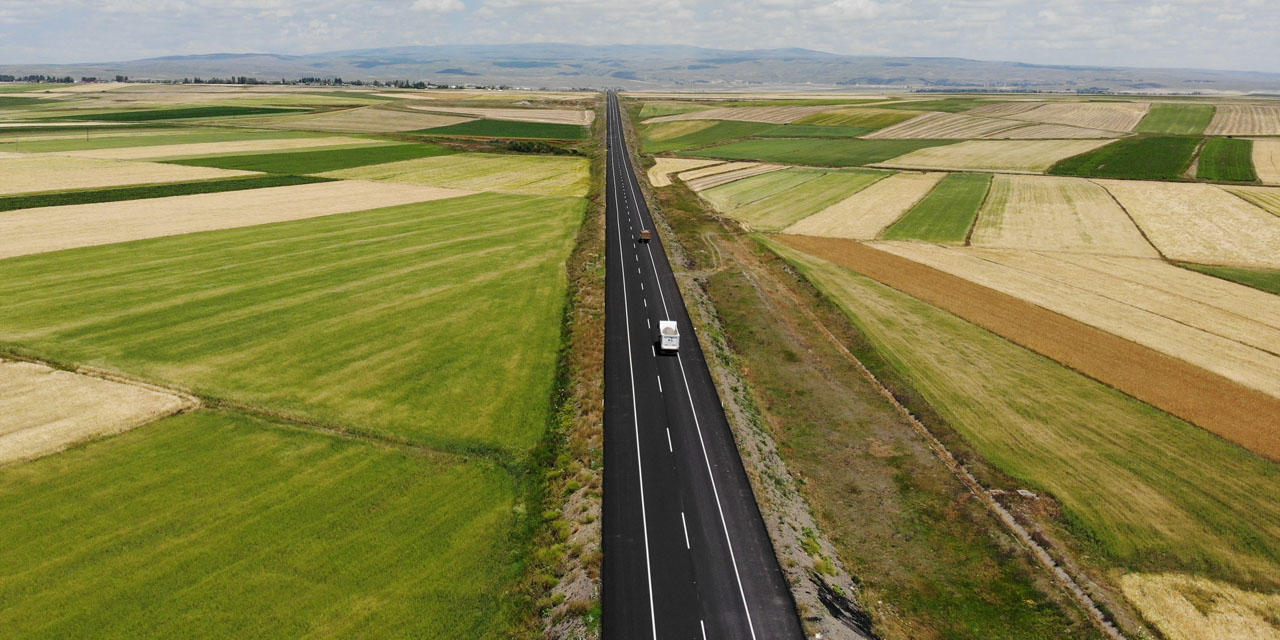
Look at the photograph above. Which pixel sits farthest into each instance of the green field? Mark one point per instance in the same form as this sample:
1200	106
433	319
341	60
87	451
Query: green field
394	321
947	213
1227	160
528	174
871	118
214	525
832	153
302	161
17	102
142	192
1130	478
949	105
160	138
660	108
1264	279
179	113
509	129
814	131
776	200
1176	119
1157	158
653	139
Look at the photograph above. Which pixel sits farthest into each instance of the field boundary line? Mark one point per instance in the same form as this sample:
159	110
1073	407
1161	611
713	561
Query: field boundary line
977	214
1133	220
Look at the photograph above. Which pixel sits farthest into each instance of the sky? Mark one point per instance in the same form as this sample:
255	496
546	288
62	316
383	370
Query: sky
1217	34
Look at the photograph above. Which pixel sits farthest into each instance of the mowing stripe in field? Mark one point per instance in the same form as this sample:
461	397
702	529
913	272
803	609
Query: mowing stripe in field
527	174
946	213
300	162
26	173
163	190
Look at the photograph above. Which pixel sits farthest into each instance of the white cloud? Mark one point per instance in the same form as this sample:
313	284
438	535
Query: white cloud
438	6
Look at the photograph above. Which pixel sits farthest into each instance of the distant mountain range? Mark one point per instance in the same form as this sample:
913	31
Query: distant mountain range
665	67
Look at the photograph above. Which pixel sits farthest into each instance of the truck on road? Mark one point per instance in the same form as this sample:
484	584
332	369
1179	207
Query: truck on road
669	335
645	235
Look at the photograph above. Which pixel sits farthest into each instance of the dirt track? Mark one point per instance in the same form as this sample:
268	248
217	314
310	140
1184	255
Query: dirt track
1231	410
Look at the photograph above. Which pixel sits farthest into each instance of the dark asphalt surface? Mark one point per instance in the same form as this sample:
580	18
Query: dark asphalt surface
686	554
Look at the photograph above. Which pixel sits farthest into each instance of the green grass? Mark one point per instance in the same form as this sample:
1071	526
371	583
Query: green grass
871	118
659	109
1156	158
395	321
89	196
1264	279
179	113
651	135
178	136
529	174
303	161
1227	160
16	102
1130	478
814	131
947	213
1176	119
776	200
949	105
834	153
509	129
213	525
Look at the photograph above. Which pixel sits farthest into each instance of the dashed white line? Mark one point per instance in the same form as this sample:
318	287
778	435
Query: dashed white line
685	526
670	448
704	629
659	384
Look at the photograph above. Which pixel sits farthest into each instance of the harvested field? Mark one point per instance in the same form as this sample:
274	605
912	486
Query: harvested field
1004	109
725	177
1056	214
1032	156
782	207
1266	160
869	117
43	410
666	131
1267	198
1111	116
947	213
22	173
1200	223
750	189
162	190
868	212
1263	279
1051	132
1129	478
214	148
56	228
1245	120
712	167
300	161
140	138
815	151
945	126
669	136
1186	607
1176	119
368	120
771	115
660	172
655	109
528	174
579	117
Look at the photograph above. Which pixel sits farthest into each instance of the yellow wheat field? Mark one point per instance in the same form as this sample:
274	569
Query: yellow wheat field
1051	132
1111	116
1004	109
1266	160
1056	214
213	148
26	173
43	410
945	126
1193	608
669	130
28	231
1140	311
660	172
1200	223
868	212
774	115
1267	198
551	116
1027	156
725	177
1245	120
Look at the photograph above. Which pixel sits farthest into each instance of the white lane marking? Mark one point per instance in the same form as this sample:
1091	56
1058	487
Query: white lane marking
659	384
647	324
631	189
704	629
646	303
635	419
686	532
670	448
642	286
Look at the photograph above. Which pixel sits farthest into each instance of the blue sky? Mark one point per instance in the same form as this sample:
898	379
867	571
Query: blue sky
1221	34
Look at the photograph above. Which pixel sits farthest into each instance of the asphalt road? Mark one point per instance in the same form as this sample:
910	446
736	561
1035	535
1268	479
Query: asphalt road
686	554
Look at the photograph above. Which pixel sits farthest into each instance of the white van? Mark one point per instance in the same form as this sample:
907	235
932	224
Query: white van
669	335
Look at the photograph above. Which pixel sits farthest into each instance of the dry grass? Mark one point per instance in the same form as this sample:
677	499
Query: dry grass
1056	214
716	168
365	120
1201	223
1004	109
725	177
660	172
26	173
526	174
1245	120
213	148
1133	307
1265	197
868	212
945	126
46	229
1029	156
773	115
1111	116
1051	132
1186	607
44	410
1266	160
581	117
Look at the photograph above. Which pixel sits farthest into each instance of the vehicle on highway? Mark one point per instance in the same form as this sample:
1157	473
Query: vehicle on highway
669	335
645	235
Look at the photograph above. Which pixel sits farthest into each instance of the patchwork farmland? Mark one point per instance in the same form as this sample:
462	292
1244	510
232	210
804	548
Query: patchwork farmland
258	357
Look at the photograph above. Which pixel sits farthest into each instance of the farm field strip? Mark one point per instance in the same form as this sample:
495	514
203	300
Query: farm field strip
770	115
1111	116
1129	477
1266	198
1200	223
148	138
1004	109
1245	120
869	211
364	120
525	174
1226	159
939	126
711	168
948	211
1030	156
1056	214
1266	160
162	190
43	410
214	148
26	173
660	173
580	117
1028	131
784	207
869	117
316	160
1148	158
657	108
47	229
668	131
1175	605
513	129
670	136
1176	119
1226	344
746	190
820	152
725	177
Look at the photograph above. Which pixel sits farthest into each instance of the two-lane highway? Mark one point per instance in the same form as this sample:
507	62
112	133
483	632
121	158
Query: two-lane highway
686	554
